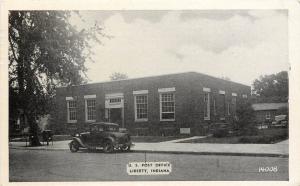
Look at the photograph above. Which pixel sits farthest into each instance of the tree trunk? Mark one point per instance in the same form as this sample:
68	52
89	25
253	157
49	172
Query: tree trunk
33	134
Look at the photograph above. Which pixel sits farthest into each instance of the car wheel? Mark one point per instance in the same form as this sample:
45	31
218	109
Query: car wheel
108	147
74	147
125	148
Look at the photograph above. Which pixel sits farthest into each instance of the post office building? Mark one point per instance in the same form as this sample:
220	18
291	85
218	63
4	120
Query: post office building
174	104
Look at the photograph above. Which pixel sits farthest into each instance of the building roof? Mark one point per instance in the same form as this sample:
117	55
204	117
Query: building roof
268	106
174	74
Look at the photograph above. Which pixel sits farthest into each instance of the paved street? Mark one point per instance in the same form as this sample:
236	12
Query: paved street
279	149
41	165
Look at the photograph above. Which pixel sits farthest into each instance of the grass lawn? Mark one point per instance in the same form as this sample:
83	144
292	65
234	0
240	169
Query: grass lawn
264	136
154	139
211	139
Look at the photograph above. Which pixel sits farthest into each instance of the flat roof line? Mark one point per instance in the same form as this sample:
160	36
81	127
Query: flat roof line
110	81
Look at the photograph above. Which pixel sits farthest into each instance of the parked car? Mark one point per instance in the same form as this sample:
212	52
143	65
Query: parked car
280	121
102	135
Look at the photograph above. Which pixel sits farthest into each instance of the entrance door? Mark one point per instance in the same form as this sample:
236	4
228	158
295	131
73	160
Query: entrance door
115	115
114	105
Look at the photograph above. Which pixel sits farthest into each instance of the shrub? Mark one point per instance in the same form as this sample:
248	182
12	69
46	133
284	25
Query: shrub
263	139
246	119
250	131
221	132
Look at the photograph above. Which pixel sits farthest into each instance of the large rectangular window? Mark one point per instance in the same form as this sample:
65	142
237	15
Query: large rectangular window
228	109
206	106
215	106
222	106
233	102
167	106
90	106
141	107
72	111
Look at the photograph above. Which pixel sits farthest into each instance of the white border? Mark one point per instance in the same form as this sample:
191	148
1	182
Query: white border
294	80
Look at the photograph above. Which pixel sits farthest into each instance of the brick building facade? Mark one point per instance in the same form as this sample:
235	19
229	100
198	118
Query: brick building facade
185	103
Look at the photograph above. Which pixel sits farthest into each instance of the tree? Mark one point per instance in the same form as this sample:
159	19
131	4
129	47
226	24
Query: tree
225	78
272	88
283	110
118	76
45	51
246	118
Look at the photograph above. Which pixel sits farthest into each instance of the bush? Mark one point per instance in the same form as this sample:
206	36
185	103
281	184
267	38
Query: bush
250	131
246	119
220	133
263	139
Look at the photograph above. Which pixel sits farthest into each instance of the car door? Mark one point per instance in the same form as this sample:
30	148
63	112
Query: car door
99	136
92	139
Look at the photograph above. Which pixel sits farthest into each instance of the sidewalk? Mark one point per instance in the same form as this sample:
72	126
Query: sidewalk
271	150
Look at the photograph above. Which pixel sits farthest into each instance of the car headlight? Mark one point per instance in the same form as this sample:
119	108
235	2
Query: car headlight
77	135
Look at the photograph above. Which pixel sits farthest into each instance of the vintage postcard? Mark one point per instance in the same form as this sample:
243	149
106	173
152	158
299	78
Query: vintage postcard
118	92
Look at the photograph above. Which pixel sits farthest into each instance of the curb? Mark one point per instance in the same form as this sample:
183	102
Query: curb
46	149
216	153
176	152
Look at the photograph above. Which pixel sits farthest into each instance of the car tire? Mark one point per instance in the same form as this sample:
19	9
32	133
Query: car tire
108	147
125	148
74	146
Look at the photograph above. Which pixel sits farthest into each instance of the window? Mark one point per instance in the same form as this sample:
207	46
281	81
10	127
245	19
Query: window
268	115
215	107
244	96
115	100
167	106
233	102
141	107
222	106
228	109
72	112
90	109
106	114
206	106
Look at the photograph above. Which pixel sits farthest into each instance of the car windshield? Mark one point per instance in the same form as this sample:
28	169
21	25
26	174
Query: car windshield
112	128
100	128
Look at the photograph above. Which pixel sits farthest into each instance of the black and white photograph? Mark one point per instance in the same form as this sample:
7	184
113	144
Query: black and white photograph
148	95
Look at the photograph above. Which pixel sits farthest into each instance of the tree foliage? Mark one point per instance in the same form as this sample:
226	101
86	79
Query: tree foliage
118	76
272	88
246	117
45	51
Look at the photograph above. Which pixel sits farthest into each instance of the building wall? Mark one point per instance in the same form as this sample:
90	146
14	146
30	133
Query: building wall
189	102
260	116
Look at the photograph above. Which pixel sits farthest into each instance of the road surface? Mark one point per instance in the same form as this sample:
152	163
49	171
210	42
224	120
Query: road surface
41	165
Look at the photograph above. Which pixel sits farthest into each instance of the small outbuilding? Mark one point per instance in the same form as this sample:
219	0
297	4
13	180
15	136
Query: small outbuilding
266	112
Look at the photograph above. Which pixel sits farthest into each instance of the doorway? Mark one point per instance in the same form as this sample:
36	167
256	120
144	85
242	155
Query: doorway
115	115
114	108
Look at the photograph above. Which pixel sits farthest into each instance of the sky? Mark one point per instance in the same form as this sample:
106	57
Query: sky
238	44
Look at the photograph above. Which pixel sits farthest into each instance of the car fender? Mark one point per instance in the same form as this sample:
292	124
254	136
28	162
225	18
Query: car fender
79	141
110	138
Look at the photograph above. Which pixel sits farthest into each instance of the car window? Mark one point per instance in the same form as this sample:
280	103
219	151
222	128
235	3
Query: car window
94	128
111	129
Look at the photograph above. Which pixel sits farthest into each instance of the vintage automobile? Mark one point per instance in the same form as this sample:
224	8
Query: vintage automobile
280	121
102	135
